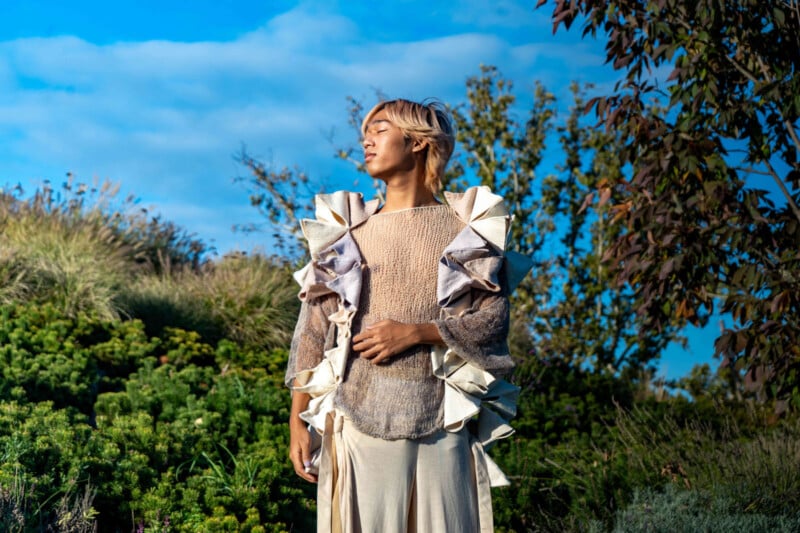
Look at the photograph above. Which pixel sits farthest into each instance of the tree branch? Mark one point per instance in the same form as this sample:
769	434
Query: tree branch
482	163
743	71
784	190
789	126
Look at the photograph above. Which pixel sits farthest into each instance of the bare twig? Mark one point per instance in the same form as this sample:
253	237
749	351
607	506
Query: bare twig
784	190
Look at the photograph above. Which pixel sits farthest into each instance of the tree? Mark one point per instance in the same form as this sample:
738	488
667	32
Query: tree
573	313
699	234
503	153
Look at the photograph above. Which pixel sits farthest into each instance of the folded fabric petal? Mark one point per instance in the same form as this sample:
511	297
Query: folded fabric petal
317	412
320	235
459	407
348	287
502	397
336	214
360	211
496	476
343	208
341	261
471	380
316	381
494	230
467	262
470	391
474	203
313	281
492	427
333	208
484	212
341	255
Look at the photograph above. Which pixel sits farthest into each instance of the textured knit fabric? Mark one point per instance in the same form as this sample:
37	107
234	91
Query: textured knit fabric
313	334
400	398
480	333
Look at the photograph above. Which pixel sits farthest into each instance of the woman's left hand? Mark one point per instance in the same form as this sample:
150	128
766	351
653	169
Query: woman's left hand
384	339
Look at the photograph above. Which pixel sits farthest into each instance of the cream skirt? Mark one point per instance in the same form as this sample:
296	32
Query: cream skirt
427	485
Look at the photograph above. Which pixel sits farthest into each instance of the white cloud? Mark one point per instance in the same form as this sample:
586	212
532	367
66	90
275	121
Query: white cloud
165	117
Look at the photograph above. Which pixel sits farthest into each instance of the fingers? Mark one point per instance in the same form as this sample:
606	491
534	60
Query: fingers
372	332
300	450
376	352
300	459
379	341
380	357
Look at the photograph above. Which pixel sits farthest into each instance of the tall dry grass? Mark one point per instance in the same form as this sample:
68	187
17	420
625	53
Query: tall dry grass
56	248
84	251
245	298
759	470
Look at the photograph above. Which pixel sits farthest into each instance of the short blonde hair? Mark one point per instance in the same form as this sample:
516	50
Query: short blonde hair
428	121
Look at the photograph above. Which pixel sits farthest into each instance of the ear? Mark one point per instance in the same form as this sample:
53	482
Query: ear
419	145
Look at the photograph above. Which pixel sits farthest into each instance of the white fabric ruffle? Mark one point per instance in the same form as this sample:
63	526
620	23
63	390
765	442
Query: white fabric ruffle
474	260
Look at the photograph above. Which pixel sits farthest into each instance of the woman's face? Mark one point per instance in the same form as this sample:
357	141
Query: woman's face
386	150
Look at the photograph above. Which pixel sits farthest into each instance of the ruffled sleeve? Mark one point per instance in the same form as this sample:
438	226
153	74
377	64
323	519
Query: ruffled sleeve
480	333
313	334
334	273
475	276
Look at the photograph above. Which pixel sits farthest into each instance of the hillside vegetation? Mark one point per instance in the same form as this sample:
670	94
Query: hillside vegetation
141	390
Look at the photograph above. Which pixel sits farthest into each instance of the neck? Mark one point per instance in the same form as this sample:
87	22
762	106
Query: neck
407	192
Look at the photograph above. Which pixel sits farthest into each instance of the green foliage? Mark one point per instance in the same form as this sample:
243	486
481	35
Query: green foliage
99	424
677	511
43	466
568	310
698	234
47	356
582	479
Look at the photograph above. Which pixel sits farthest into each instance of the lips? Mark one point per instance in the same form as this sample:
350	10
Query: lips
369	156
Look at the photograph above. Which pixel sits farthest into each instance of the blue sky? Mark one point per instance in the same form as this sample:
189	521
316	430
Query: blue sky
159	96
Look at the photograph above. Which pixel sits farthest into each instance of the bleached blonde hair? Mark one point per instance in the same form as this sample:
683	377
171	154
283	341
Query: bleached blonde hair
429	122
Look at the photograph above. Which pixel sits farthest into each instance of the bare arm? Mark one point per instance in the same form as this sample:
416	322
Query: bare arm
299	438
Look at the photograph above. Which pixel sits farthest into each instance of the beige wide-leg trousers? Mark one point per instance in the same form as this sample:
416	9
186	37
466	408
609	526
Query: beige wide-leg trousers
370	485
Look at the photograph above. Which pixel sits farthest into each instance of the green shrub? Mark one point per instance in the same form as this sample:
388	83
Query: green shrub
757	468
582	481
48	356
677	510
43	469
198	434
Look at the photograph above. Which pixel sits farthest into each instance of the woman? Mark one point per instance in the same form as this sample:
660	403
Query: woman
403	322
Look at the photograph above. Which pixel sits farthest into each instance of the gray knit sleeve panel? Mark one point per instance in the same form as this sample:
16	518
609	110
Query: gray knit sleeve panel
480	334
313	334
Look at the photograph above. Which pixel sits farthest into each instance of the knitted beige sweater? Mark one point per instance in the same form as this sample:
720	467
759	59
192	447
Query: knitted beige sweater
401	398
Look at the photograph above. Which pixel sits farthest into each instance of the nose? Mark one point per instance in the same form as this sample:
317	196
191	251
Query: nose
367	141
